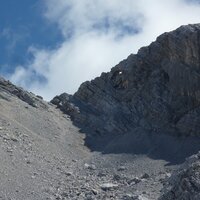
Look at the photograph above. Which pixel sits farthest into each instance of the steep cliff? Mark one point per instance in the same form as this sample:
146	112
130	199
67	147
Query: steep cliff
157	89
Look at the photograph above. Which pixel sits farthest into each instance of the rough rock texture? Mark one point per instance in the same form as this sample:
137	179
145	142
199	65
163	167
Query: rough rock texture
157	89
30	98
184	184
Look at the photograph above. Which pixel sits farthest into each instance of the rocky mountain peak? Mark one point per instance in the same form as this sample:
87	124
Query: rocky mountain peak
157	89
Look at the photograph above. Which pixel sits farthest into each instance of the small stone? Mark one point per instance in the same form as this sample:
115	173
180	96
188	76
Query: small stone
24	135
39	97
28	162
121	168
101	174
116	177
91	167
69	173
128	197
135	180
108	186
1	128
145	176
134	197
95	192
167	175
14	139
9	150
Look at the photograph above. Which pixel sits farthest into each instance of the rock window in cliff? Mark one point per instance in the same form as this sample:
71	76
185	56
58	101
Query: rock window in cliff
119	81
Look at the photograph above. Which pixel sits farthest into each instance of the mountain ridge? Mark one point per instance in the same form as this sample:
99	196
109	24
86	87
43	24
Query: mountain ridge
158	88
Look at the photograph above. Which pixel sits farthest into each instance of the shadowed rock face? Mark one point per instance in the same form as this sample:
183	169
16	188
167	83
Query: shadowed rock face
156	89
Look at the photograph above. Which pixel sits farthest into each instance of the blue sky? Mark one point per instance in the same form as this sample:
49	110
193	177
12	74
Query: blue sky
22	25
52	46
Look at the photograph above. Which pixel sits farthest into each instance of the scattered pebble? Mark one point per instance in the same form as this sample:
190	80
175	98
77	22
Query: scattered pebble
135	180
145	176
134	197
116	177
14	139
121	168
9	150
95	192
91	167
168	175
108	186
68	173
28	162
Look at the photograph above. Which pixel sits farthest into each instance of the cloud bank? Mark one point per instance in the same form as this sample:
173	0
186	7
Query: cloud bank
97	35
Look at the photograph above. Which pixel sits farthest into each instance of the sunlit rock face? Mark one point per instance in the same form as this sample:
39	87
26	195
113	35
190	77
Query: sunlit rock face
157	89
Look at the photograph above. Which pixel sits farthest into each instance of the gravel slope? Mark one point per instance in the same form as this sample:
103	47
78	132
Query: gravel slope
43	156
37	148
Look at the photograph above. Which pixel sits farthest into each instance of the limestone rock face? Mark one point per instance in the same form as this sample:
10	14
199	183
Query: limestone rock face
156	89
184	184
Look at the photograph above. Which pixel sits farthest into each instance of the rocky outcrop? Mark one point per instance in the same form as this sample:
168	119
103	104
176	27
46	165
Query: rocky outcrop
30	98
184	184
156	89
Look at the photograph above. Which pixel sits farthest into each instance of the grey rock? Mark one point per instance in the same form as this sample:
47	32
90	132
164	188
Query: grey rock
108	186
135	180
134	197
184	184
117	177
95	192
89	166
28	97
69	173
145	176
157	89
121	168
101	174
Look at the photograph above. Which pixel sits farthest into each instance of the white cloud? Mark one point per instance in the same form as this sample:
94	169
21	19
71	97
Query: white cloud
98	34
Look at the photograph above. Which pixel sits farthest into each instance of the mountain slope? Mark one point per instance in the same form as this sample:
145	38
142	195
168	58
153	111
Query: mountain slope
43	156
157	89
37	146
142	118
